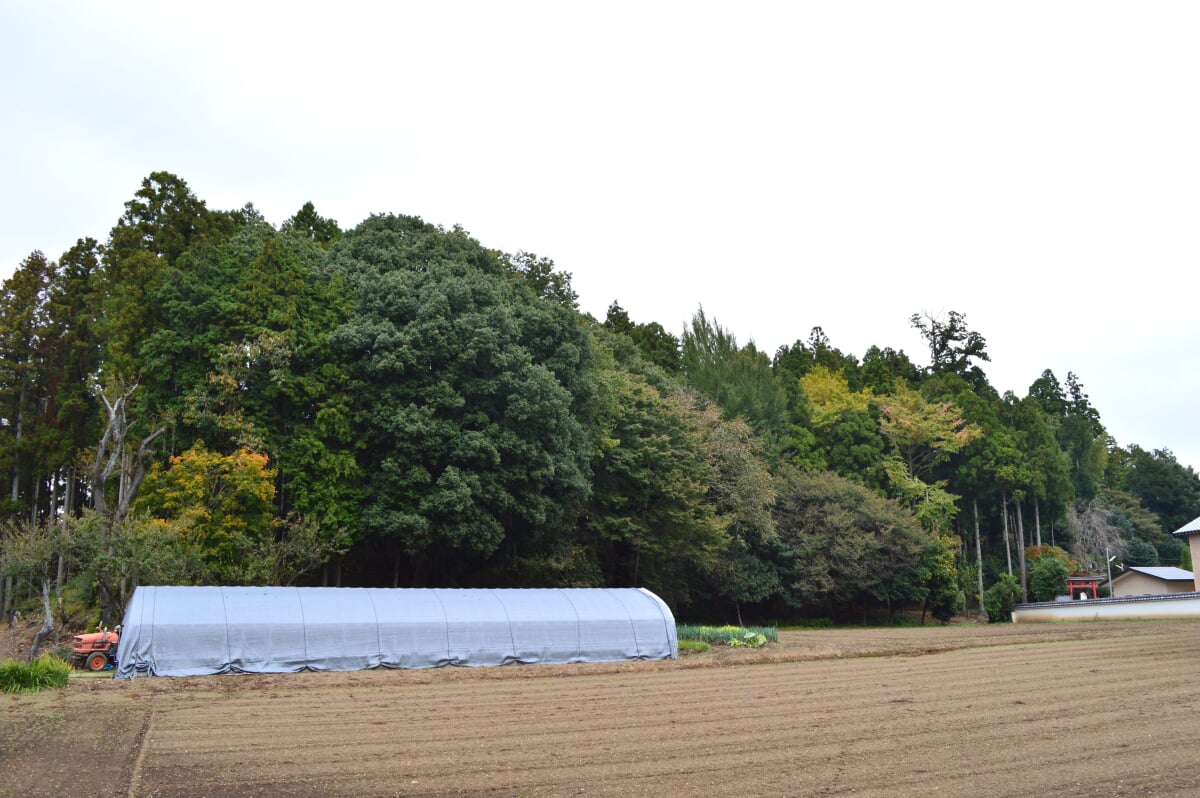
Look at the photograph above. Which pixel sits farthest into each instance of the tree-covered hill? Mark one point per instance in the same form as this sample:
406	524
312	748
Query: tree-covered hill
205	398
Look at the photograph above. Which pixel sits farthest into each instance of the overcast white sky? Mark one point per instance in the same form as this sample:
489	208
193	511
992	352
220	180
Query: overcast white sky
1034	165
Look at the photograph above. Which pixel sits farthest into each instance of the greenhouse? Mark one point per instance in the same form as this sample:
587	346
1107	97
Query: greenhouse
193	631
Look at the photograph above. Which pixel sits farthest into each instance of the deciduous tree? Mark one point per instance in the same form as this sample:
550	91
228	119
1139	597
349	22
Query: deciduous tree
843	542
922	435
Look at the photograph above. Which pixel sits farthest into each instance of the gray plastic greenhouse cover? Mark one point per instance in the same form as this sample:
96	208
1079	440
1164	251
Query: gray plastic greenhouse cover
193	631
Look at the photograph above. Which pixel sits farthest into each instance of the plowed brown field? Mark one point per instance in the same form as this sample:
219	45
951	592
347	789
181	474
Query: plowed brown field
1091	709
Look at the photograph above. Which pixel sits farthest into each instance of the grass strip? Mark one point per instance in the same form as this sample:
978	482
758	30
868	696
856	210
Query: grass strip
29	677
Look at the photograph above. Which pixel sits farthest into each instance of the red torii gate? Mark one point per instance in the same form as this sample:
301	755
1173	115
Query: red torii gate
1083	582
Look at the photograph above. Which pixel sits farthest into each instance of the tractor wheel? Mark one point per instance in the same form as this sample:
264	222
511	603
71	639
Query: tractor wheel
97	661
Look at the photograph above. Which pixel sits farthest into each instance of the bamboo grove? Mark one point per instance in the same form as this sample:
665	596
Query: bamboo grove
207	399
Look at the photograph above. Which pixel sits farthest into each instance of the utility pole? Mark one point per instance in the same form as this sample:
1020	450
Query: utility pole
1109	566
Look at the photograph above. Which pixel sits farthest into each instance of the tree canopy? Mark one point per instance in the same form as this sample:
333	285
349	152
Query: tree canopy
206	397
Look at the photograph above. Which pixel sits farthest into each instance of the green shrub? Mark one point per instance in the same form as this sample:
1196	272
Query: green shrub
748	640
732	636
694	646
29	677
813	623
999	599
1048	578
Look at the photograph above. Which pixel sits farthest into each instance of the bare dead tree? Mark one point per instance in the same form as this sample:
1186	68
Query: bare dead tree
115	459
1093	533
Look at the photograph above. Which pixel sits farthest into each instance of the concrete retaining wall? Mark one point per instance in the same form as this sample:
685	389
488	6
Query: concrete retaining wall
1179	605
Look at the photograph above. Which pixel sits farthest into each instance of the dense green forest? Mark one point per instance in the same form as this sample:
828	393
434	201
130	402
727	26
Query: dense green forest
205	398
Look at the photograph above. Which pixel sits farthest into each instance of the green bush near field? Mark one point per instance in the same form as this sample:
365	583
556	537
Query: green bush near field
812	623
732	636
1000	598
29	677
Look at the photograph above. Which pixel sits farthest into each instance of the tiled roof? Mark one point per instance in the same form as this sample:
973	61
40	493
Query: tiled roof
1190	528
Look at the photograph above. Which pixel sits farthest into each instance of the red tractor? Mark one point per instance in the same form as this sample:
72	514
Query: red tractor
96	651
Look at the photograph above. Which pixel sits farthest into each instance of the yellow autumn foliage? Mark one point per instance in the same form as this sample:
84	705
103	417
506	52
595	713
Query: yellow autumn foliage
221	504
830	397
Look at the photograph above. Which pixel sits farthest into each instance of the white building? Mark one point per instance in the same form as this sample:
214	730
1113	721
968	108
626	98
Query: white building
1138	580
1191	531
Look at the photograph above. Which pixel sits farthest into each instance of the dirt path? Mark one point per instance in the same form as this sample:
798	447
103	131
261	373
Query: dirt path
1087	709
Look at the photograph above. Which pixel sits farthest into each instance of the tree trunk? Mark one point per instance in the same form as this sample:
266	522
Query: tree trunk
1007	545
114	458
1037	520
36	491
69	497
16	468
68	514
1021	552
978	559
110	603
47	622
